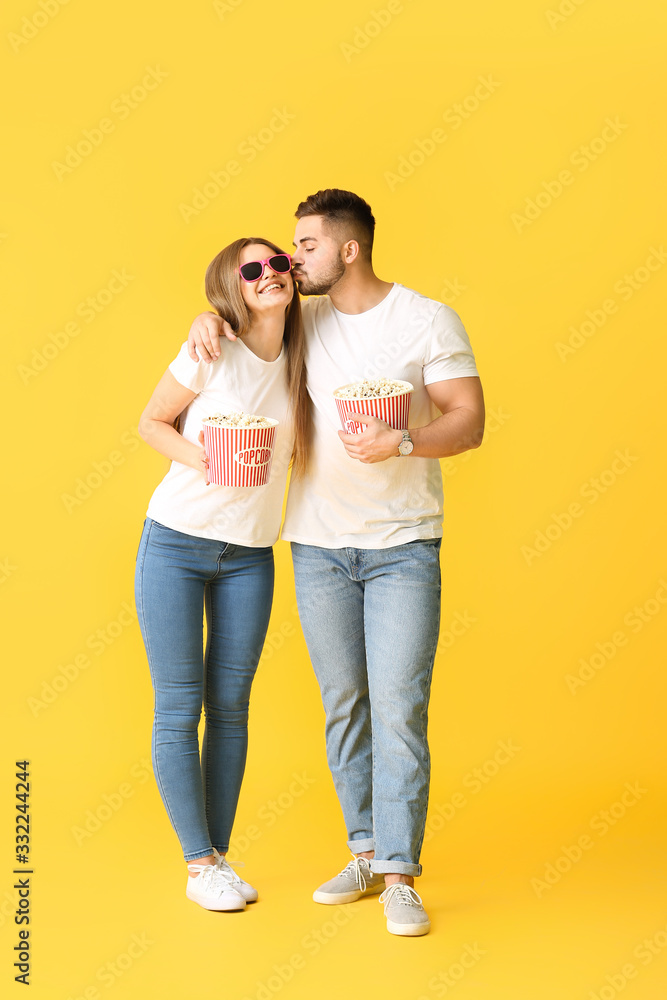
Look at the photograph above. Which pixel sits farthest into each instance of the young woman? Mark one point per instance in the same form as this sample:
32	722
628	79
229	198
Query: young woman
208	548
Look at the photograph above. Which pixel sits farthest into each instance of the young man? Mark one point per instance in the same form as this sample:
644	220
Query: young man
365	525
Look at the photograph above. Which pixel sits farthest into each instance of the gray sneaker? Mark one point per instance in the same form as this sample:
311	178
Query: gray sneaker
355	880
404	911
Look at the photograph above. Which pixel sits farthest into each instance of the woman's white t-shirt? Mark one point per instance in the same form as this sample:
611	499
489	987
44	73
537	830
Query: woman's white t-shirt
237	380
342	501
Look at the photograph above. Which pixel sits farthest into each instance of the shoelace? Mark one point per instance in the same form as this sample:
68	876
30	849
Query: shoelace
213	878
402	893
354	867
224	866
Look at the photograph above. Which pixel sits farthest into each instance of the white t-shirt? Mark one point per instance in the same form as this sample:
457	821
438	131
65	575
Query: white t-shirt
341	501
237	380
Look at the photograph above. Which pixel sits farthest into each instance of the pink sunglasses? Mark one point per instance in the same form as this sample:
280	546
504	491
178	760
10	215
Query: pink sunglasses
281	263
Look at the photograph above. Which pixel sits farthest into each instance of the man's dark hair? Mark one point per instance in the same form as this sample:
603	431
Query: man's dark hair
345	212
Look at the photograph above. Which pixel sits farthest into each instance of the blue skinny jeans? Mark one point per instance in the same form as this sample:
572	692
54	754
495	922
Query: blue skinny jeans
180	577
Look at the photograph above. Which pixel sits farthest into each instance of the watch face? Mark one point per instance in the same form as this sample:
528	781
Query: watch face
405	447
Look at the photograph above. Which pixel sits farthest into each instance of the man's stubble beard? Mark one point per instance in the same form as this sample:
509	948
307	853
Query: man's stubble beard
324	282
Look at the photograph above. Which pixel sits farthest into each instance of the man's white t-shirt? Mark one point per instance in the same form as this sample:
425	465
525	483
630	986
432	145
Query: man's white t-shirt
342	501
237	380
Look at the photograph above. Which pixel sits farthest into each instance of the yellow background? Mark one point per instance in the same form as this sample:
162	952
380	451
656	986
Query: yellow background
363	88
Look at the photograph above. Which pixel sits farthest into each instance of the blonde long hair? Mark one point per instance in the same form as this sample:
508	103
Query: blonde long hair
223	291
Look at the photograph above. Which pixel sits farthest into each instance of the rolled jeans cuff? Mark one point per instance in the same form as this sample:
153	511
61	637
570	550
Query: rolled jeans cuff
395	867
357	846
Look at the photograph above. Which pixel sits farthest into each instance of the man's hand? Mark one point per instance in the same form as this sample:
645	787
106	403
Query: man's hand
205	334
377	443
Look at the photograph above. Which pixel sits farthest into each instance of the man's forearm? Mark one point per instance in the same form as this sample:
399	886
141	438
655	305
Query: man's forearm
452	433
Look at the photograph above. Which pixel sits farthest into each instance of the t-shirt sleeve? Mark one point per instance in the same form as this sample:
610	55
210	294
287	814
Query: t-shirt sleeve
193	375
449	354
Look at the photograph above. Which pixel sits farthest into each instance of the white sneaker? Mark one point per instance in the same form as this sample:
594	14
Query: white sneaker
355	880
243	888
212	889
404	911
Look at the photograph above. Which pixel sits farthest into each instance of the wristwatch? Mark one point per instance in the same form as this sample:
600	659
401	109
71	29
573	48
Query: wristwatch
406	445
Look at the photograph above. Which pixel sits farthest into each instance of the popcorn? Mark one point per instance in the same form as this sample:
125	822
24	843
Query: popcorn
239	447
372	388
238	419
385	398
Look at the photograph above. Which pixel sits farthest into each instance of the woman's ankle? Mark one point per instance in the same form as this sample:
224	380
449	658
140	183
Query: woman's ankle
210	859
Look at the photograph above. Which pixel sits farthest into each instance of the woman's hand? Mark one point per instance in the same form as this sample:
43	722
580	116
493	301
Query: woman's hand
202	458
205	335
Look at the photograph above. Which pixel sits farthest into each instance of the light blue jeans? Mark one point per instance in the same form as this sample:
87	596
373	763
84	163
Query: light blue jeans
177	577
371	619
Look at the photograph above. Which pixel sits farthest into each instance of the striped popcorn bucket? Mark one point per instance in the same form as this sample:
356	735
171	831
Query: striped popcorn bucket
239	456
394	409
